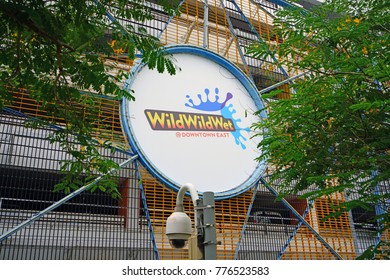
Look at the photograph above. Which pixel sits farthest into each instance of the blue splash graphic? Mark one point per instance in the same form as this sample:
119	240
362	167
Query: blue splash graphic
208	105
226	111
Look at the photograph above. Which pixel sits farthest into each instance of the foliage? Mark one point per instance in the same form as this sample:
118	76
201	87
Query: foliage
55	50
332	134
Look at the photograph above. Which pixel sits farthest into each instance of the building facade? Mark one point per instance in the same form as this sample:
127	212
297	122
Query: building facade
250	225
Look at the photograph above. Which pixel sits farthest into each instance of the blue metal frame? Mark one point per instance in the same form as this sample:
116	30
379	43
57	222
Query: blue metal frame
282	3
237	73
262	8
380	209
294	232
150	227
246	221
169	21
301	219
257	35
235	36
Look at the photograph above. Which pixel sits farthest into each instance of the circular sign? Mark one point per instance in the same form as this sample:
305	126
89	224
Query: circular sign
195	126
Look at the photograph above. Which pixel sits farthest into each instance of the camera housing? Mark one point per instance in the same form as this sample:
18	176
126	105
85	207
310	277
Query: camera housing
178	229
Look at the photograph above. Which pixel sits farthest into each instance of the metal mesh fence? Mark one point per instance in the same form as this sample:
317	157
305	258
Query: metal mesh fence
96	226
268	228
273	232
90	226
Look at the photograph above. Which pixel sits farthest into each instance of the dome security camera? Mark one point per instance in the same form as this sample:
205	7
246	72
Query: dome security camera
178	229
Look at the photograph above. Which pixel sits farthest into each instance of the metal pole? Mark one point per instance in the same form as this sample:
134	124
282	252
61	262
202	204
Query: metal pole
205	24
61	201
294	232
281	83
188	187
198	242
380	209
210	237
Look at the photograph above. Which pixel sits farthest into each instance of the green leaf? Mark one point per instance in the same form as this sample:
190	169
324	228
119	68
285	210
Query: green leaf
272	94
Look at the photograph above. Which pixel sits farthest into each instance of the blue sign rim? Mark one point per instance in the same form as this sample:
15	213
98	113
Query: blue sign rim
237	73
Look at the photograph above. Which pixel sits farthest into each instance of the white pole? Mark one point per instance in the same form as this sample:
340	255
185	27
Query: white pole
194	197
188	187
205	24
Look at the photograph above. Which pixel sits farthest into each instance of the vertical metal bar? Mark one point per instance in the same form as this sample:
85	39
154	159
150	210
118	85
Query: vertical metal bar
205	24
379	210
198	252
155	249
210	237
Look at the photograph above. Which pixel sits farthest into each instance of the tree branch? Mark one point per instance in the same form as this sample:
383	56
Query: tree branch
22	20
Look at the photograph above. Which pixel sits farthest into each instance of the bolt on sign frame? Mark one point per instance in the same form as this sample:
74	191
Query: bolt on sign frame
251	225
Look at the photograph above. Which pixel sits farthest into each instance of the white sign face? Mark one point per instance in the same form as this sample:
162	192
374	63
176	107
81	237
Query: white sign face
195	126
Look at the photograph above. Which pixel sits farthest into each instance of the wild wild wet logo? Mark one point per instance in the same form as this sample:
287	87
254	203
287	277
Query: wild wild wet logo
196	124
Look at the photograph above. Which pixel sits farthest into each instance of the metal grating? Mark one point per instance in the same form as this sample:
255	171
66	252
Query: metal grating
230	215
108	126
90	226
337	231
